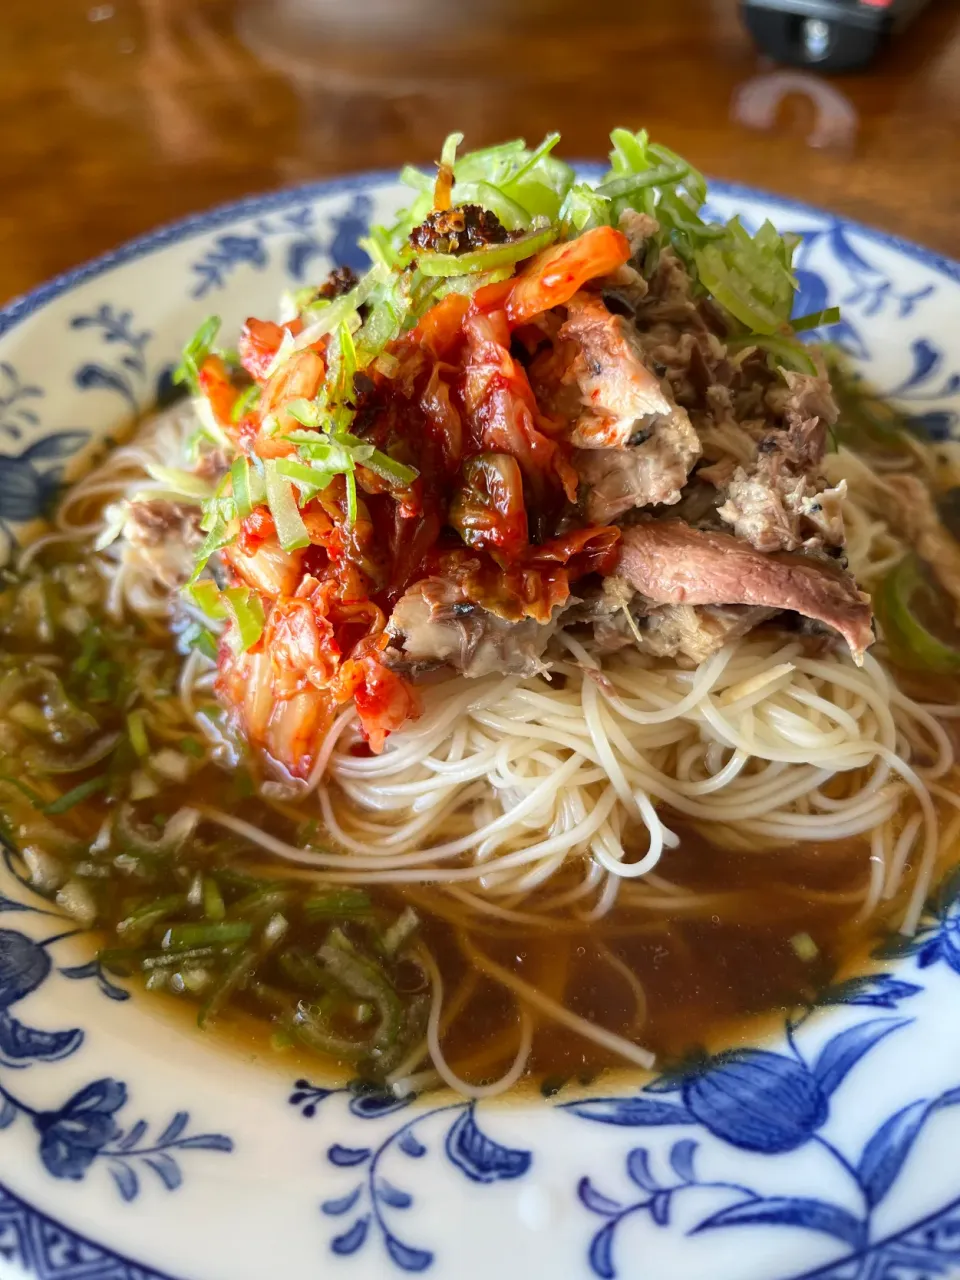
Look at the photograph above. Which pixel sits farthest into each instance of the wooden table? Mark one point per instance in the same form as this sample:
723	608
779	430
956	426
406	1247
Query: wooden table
117	115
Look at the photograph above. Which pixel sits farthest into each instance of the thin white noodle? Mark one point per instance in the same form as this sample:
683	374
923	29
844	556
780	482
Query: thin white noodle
632	981
878	873
442	1067
557	1012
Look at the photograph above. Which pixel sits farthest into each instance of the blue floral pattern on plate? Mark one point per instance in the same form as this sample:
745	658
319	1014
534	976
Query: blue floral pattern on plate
763	1102
303	245
86	1127
809	1155
465	1145
126	374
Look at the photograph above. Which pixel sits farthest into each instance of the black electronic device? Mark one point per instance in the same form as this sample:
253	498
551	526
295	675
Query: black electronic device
831	35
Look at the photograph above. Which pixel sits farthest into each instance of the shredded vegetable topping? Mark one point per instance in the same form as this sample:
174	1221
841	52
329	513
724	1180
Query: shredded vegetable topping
910	606
391	422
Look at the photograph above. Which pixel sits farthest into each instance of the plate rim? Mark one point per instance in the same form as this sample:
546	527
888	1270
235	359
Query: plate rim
13	1205
21	306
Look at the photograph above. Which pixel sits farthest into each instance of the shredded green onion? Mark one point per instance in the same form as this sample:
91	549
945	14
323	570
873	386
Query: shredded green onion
489	258
240	970
750	276
306	411
401	931
417	179
310	480
325	315
804	947
337	904
43	760
245	402
468	284
291	530
213	904
137	732
215	933
182	483
206	596
247	609
220	535
329	453
911	641
25	790
199	637
388	469
816	320
195	352
782	351
534	158
362	979
448	152
631	184
509	212
79	793
240	484
344	366
140	922
351	511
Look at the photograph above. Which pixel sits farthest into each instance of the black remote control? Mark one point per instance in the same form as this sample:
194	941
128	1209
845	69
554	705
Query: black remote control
831	35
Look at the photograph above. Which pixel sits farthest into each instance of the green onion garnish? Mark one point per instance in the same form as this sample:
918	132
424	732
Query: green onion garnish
489	258
750	276
309	480
337	904
199	637
912	642
25	790
245	402
137	732
351	512
305	411
240	483
76	796
816	320
220	535
782	351
388	469
195	352
206	596
247	609
213	905
804	947
401	931
631	184
448	152
207	935
137	924
291	530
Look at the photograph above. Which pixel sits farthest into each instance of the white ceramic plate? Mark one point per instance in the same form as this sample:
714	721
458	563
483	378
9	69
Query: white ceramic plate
133	1147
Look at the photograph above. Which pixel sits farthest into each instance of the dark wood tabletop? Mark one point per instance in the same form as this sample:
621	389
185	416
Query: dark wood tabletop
119	115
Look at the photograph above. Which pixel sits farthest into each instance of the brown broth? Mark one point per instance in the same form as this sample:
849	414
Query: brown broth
712	980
